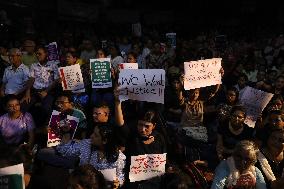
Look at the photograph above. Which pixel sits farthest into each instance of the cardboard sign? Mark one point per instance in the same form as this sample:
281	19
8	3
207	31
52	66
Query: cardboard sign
71	77
12	176
56	123
254	101
128	66
101	75
147	166
53	54
171	37
202	73
142	85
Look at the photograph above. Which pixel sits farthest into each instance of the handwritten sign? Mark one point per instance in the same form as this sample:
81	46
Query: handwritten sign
171	37
142	84
254	101
12	176
109	174
128	66
101	75
147	166
57	121
71	77
202	73
53	54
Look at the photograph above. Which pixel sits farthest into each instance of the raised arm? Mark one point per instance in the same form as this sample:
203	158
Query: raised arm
119	119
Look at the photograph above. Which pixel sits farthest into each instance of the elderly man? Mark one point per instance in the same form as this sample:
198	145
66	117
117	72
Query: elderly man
15	76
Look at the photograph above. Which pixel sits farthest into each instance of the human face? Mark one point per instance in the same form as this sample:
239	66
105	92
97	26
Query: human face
13	106
15	59
276	105
131	59
176	85
276	121
96	138
195	94
101	54
100	115
279	84
145	128
242	82
70	59
243	160
41	55
276	142
231	97
63	104
237	118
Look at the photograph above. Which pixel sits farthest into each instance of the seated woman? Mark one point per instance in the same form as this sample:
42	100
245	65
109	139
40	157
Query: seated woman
238	171
146	140
100	151
85	177
16	125
271	159
232	131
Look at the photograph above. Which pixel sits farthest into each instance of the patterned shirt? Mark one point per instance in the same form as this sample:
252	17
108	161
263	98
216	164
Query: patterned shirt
44	74
14	130
15	80
83	150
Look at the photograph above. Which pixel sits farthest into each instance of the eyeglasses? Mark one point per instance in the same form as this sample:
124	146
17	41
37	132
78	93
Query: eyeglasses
238	117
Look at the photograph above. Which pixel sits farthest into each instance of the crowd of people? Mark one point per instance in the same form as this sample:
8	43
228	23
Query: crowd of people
225	153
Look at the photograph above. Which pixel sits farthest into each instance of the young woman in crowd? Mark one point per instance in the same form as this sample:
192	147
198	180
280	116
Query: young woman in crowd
238	170
100	151
270	159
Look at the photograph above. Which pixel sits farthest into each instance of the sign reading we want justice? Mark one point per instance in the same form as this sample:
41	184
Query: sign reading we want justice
142	85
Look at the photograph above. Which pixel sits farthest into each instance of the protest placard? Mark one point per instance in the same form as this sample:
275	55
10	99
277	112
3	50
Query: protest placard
109	174
128	66
137	29
147	166
142	85
12	177
53	54
72	79
202	73
57	121
171	38
101	75
254	101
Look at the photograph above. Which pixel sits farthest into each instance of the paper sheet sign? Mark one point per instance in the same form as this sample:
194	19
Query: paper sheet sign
109	174
56	123
53	54
128	66
9	176
171	37
101	75
147	166
254	101
142	85
71	77
202	73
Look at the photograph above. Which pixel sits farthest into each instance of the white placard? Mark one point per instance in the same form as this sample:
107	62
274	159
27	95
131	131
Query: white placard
109	174
142	85
15	169
128	66
72	79
202	73
254	101
147	166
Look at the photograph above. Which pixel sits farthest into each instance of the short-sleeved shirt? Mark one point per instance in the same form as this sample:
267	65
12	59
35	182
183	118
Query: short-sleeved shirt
15	80
82	118
230	140
13	130
44	74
